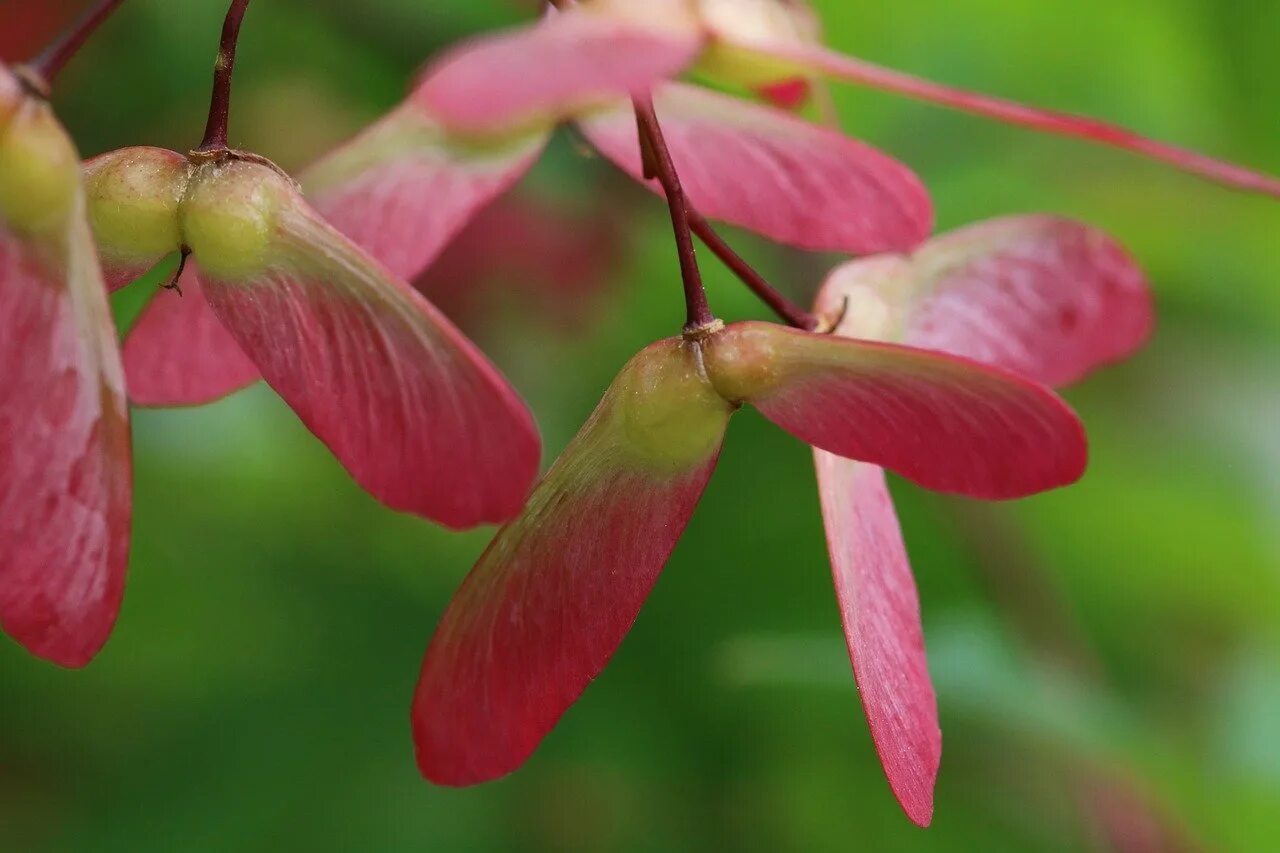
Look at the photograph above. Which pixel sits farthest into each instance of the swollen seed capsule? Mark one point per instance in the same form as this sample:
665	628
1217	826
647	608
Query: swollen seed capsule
743	360
736	23
229	217
670	414
134	196
39	170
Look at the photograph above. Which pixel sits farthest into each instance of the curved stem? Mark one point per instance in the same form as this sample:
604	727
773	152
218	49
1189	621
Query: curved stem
175	281
215	132
793	314
54	58
658	164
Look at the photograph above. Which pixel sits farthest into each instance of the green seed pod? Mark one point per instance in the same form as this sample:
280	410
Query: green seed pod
668	412
229	216
743	360
39	168
736	24
134	196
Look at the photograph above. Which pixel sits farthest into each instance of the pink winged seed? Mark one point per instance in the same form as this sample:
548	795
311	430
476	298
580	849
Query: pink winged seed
401	190
553	596
881	615
179	354
1046	297
412	409
65	503
861	72
540	74
948	424
760	168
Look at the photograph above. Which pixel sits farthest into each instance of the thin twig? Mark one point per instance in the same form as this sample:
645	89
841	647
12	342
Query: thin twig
782	306
658	164
45	67
215	132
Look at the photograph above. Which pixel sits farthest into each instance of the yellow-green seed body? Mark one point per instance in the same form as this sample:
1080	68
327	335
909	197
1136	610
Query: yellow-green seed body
736	24
743	361
39	170
134	197
229	217
673	419
745	67
145	203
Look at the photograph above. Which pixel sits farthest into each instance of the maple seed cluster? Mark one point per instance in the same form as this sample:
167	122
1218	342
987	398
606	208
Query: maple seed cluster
931	356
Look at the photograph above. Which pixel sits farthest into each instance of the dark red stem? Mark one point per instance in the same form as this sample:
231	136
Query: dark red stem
215	132
658	164
54	58
793	314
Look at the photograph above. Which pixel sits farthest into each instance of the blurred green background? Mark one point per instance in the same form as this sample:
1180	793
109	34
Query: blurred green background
1107	657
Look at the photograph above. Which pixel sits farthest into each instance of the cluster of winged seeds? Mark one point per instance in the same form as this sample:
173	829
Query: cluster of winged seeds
929	356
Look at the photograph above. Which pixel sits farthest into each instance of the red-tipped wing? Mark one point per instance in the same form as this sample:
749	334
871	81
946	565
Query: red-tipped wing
558	588
1043	296
815	58
538	75
179	354
881	615
403	188
65	478
949	424
412	409
1046	297
763	169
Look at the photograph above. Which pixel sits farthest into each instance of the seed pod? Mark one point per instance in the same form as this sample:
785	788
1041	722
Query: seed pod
39	168
949	424
133	197
564	581
736	25
412	409
230	217
64	431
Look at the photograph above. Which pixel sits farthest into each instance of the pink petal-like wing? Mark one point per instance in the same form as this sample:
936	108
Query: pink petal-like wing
761	168
179	354
541	74
412	409
874	586
403	188
1043	296
65	475
815	58
1046	297
116	275
881	615
947	423
559	587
